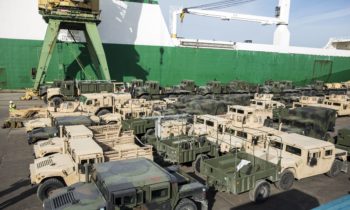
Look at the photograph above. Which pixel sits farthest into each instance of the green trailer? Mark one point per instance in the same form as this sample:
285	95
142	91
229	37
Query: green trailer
183	149
240	172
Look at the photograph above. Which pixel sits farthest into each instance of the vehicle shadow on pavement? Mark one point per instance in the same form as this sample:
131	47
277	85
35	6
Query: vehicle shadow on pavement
288	200
18	197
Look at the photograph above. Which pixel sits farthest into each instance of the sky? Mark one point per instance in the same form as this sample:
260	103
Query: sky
311	23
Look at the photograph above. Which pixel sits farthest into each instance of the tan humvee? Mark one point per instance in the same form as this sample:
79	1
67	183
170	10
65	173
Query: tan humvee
247	116
339	103
264	101
135	108
102	103
174	127
57	170
56	145
65	107
308	100
37	123
300	157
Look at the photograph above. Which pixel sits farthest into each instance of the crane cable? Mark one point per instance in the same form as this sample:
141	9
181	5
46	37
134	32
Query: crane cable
215	5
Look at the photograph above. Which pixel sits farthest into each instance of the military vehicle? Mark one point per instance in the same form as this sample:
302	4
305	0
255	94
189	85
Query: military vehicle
71	90
342	140
37	123
57	170
50	132
276	87
307	100
335	88
264	101
38	134
139	126
239	86
316	88
339	103
212	87
301	157
315	122
240	172
183	149
248	116
103	103
135	108
131	184
56	144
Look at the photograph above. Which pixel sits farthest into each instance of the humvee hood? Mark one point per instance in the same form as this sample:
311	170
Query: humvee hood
49	166
53	145
77	196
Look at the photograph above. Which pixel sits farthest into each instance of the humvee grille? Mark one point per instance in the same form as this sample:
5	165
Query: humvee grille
63	199
44	163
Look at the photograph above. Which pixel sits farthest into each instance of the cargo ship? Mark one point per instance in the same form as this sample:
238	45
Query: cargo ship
138	44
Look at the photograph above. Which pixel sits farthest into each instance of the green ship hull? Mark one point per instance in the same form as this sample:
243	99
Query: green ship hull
169	65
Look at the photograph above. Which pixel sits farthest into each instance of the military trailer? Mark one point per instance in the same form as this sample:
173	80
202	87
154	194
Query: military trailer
139	126
240	172
59	170
183	149
71	90
131	184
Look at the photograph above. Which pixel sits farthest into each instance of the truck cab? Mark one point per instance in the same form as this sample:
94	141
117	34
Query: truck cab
132	184
59	170
103	103
56	145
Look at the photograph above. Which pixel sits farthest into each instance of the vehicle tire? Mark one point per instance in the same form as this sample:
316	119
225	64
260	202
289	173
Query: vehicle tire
102	112
47	187
186	204
335	169
286	180
260	192
57	101
147	97
196	165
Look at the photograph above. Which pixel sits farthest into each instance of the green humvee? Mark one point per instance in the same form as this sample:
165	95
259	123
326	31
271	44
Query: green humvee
342	140
240	172
183	149
131	184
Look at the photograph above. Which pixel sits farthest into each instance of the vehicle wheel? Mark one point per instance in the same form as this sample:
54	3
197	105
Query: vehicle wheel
286	180
57	101
335	169
196	165
103	112
112	122
147	97
186	204
47	187
260	192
